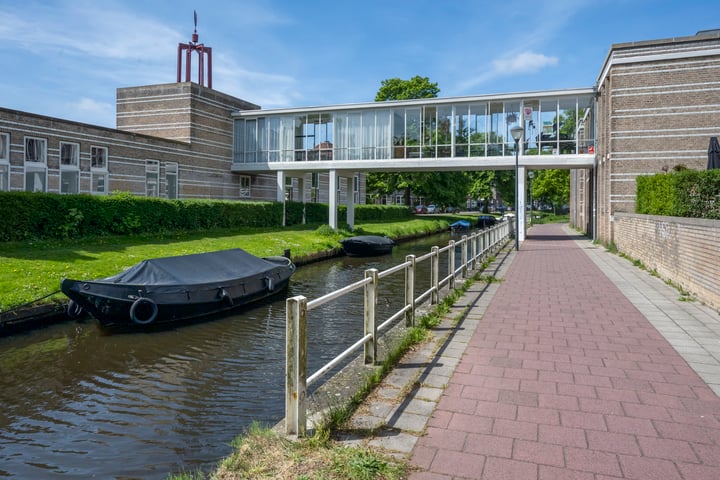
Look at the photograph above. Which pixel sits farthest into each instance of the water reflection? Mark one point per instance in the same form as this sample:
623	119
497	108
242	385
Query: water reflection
80	403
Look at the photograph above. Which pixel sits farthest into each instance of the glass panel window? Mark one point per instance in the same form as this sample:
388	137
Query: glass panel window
512	118
496	129
99	183
444	131
4	148
35	150
35	180
239	141
69	181
99	158
250	141
4	177
568	125
398	133
245	186
69	155
412	132
152	178
477	126
548	127
4	162
429	132
171	180
530	112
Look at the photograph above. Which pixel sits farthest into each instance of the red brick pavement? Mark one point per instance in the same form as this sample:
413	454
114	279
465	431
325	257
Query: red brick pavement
565	379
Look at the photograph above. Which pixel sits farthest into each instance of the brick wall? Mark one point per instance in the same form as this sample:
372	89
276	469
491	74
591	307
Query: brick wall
683	250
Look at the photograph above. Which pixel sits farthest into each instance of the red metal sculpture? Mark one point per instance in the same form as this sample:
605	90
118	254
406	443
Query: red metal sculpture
202	50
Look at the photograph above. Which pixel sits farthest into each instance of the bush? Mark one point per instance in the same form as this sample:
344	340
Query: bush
684	193
29	215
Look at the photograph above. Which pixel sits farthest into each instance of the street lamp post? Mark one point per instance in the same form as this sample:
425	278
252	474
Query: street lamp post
517	133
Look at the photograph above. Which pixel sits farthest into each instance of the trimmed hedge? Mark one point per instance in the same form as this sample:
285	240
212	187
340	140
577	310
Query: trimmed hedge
687	193
51	216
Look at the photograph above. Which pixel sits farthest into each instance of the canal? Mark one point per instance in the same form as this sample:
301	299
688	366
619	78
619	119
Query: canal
81	403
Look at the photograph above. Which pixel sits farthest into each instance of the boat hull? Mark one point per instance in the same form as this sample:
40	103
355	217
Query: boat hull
139	305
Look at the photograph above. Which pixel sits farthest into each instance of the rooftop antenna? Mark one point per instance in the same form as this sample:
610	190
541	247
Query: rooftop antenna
194	46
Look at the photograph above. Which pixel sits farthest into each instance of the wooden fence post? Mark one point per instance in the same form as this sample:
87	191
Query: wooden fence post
295	365
410	291
370	315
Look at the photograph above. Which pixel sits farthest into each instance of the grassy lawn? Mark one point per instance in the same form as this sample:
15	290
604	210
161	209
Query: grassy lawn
34	269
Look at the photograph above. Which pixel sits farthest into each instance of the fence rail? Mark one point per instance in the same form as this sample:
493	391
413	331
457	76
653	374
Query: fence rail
474	249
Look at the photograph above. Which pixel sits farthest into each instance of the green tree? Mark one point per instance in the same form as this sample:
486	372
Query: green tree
442	188
397	89
552	186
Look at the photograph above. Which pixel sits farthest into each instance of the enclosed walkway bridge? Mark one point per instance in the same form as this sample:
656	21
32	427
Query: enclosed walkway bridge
437	134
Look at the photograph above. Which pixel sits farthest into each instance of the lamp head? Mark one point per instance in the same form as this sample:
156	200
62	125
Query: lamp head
517	132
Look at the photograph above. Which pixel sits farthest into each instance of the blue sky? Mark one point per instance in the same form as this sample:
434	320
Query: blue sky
65	58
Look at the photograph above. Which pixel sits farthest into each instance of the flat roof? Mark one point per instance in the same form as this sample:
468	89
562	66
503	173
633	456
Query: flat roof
419	101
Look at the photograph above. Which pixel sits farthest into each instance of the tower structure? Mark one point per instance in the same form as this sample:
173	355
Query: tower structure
202	50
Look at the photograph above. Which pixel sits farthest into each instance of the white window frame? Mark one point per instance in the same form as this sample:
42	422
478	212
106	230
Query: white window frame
75	160
37	165
4	162
171	178
93	150
152	171
70	169
43	151
245	186
99	175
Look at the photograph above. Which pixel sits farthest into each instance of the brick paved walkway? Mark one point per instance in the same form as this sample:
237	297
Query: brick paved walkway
564	378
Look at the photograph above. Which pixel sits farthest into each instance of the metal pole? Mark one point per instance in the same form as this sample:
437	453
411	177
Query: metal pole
517	198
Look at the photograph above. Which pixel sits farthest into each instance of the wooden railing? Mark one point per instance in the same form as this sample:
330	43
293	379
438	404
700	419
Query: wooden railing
474	249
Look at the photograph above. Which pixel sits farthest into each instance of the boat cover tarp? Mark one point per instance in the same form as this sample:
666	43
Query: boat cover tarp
369	240
195	269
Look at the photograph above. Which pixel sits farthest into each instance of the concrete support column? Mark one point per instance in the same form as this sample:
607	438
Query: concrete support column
333	199
281	192
301	189
350	201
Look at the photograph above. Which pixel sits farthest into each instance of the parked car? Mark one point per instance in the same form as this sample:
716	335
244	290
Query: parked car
485	221
421	209
452	210
432	209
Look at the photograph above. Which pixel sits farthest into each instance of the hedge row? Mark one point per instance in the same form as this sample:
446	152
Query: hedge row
687	193
51	216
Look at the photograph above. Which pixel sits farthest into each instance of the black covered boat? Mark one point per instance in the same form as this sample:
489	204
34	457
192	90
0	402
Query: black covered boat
178	288
367	245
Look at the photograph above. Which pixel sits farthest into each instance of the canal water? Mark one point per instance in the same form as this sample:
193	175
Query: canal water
81	403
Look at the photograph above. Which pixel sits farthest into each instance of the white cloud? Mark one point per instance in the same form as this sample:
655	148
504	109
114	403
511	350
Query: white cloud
521	63
525	62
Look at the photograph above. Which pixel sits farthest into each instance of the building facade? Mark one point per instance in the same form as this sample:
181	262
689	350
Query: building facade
653	109
658	105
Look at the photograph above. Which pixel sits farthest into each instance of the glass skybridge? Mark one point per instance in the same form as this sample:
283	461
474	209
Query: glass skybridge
399	135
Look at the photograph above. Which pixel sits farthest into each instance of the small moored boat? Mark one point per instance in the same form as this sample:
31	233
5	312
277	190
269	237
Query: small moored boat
367	245
173	289
460	225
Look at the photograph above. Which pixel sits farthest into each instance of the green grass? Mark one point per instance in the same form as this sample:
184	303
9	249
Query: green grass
33	269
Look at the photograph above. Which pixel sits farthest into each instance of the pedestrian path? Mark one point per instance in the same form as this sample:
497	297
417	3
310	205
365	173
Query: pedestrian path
576	365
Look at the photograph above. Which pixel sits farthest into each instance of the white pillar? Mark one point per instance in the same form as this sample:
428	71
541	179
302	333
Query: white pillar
281	192
301	189
332	199
520	210
350	201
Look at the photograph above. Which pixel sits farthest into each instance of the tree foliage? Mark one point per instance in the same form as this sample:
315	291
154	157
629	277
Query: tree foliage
552	186
398	89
